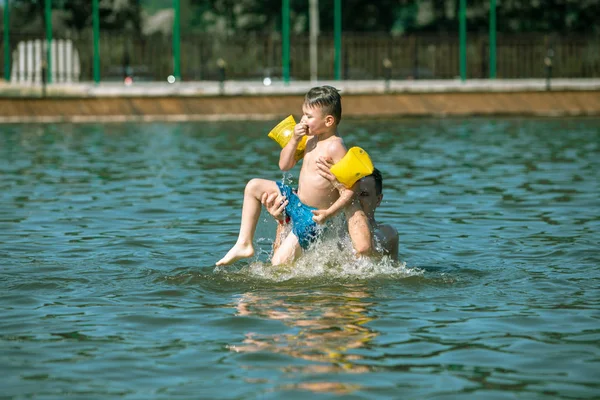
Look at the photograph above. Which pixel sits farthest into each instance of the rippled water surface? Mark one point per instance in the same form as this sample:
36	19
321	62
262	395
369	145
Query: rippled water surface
109	234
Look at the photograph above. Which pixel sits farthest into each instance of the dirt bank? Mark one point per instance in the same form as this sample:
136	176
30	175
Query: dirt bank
273	106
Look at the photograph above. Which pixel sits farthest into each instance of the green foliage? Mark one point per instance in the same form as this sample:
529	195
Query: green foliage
77	14
361	16
391	16
406	16
563	16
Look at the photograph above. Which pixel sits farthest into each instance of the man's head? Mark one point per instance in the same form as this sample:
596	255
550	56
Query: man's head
322	109
370	192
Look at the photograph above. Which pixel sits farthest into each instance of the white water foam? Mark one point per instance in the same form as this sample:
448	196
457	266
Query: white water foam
331	258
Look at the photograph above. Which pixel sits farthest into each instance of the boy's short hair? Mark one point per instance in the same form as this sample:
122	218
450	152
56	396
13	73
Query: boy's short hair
378	181
328	99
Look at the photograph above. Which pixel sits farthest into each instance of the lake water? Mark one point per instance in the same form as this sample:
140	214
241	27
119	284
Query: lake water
109	235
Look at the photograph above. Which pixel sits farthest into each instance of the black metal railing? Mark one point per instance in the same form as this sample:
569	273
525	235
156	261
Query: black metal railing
255	56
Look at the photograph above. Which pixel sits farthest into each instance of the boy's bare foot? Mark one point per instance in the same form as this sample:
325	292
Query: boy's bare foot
237	252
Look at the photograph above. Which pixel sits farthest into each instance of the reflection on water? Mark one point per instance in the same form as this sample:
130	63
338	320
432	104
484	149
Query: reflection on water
326	329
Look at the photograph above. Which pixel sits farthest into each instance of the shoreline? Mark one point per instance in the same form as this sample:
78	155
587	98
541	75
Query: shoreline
236	100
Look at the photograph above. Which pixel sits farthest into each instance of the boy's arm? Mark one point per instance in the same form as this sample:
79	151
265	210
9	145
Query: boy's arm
286	157
358	224
346	195
336	151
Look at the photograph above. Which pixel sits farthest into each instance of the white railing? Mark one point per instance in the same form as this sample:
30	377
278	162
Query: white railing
29	56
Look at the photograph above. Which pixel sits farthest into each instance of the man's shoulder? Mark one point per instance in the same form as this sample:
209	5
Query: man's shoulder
388	230
388	239
387	234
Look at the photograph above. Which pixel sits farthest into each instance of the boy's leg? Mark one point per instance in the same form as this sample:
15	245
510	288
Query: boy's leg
288	250
250	213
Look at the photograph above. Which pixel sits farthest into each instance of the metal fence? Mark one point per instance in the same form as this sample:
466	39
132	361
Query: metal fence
255	56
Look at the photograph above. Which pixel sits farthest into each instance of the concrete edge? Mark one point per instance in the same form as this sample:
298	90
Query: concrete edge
243	88
85	119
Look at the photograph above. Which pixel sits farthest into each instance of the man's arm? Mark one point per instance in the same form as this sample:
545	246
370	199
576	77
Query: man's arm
359	229
275	204
282	231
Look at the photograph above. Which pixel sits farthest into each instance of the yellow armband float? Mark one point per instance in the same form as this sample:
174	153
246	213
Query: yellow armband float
282	134
354	165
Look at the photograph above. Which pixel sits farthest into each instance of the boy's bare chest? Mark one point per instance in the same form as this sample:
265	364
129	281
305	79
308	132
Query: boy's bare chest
320	150
309	165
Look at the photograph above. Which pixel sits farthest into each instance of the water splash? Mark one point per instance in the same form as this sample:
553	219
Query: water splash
331	257
328	260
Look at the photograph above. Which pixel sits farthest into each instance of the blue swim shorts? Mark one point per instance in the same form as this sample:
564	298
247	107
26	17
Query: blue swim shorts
301	215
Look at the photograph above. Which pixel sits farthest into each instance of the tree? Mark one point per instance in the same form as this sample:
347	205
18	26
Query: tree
391	16
77	14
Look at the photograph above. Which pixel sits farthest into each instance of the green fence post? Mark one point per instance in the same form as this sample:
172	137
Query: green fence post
285	41
337	27
462	16
96	38
48	15
6	41
176	41
492	39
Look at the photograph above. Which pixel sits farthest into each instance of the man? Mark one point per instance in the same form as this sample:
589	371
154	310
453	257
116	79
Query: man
385	236
369	237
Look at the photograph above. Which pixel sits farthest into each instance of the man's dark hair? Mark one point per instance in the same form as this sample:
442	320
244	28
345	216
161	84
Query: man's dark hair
378	181
328	99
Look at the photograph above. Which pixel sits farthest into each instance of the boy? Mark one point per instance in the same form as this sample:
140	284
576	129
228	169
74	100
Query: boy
317	199
369	237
